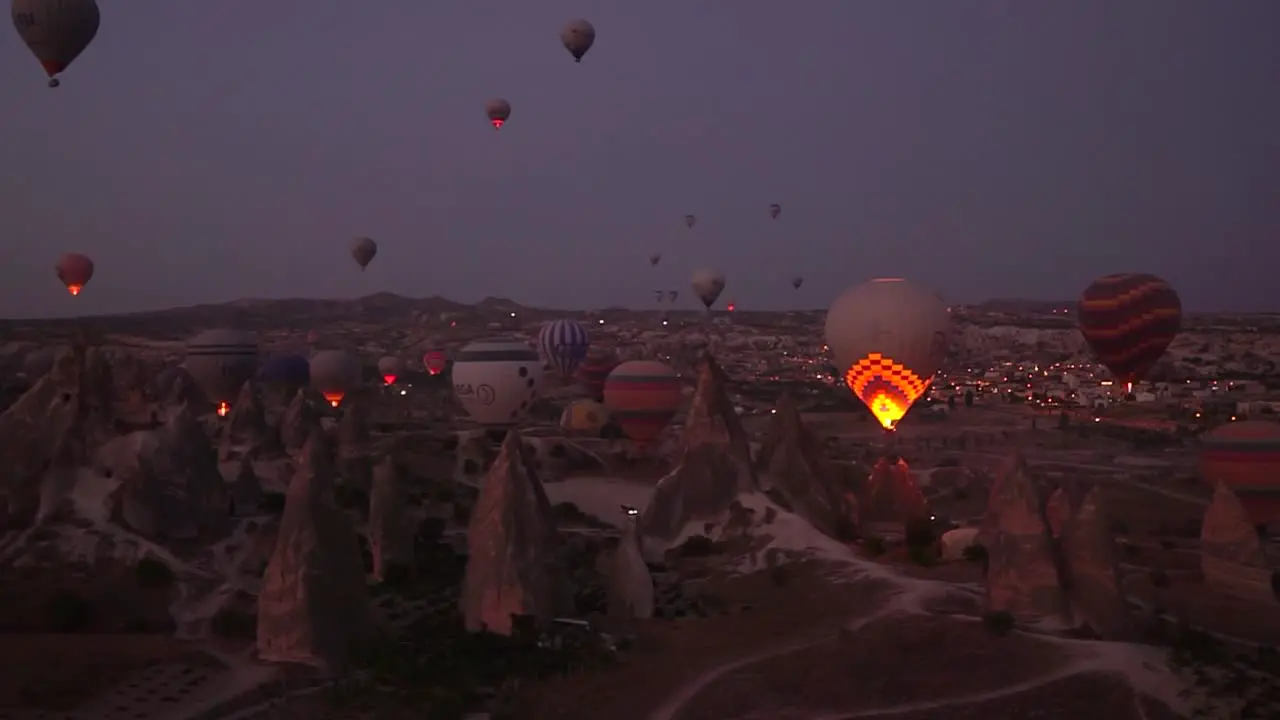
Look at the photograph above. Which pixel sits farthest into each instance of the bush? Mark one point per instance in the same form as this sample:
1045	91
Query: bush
875	546
272	503
67	612
922	555
999	623
696	546
152	573
977	554
920	533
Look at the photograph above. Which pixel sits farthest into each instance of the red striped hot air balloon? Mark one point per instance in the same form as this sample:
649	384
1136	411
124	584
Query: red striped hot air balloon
643	396
435	361
595	368
1129	319
1245	456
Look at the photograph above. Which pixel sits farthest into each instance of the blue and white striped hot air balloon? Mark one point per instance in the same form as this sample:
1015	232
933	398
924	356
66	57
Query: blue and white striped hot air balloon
564	344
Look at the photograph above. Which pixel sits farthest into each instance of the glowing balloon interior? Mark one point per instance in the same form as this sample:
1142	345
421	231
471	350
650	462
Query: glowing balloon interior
887	388
334	397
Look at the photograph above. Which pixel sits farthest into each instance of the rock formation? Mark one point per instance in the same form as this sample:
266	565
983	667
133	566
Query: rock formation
1231	555
630	583
246	432
711	420
300	420
1057	510
513	565
174	388
245	490
313	608
390	536
173	488
1093	576
892	495
1022	571
353	462
700	490
796	466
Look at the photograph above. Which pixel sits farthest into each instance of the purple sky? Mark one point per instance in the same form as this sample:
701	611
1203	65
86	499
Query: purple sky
205	151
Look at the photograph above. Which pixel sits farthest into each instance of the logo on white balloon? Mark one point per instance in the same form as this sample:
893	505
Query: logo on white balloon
485	394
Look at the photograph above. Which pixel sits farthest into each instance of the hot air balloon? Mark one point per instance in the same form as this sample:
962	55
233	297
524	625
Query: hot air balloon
1245	456
435	361
498	111
595	368
796	282
496	380
707	285
654	258
659	294
578	37
643	396
390	367
335	373
690	220
362	251
564	345
1129	319
775	210
293	371
75	271
673	294
888	338
221	361
56	32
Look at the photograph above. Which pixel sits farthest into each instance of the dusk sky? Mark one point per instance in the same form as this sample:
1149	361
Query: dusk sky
208	151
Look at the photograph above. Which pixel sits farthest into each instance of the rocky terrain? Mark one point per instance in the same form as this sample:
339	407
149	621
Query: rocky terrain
296	560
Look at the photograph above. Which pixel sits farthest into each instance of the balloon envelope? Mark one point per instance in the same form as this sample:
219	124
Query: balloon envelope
390	367
1245	456
498	111
595	368
335	373
643	396
707	285
564	345
497	380
654	258
221	361
435	361
578	36
775	210
56	32
1129	319
888	338
690	220
75	271
363	251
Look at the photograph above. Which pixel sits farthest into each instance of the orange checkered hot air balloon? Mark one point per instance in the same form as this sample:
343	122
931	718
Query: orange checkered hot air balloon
888	338
1129	319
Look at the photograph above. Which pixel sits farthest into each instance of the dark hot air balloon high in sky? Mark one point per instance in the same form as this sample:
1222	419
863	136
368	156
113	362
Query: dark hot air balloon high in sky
672	295
564	345
887	339
335	373
221	361
363	250
1245	456
655	258
643	396
796	282
498	111
390	368
775	210
1129	319
690	221
75	271
56	31
577	37
707	286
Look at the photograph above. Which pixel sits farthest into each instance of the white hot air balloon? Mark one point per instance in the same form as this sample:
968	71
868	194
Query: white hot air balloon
497	380
335	373
56	32
221	361
707	285
888	338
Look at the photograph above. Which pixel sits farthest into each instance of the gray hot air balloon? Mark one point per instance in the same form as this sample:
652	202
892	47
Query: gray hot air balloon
498	111
707	285
775	210
335	373
220	361
578	37
390	367
362	251
888	338
673	294
690	221
796	282
75	271
56	31
654	258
